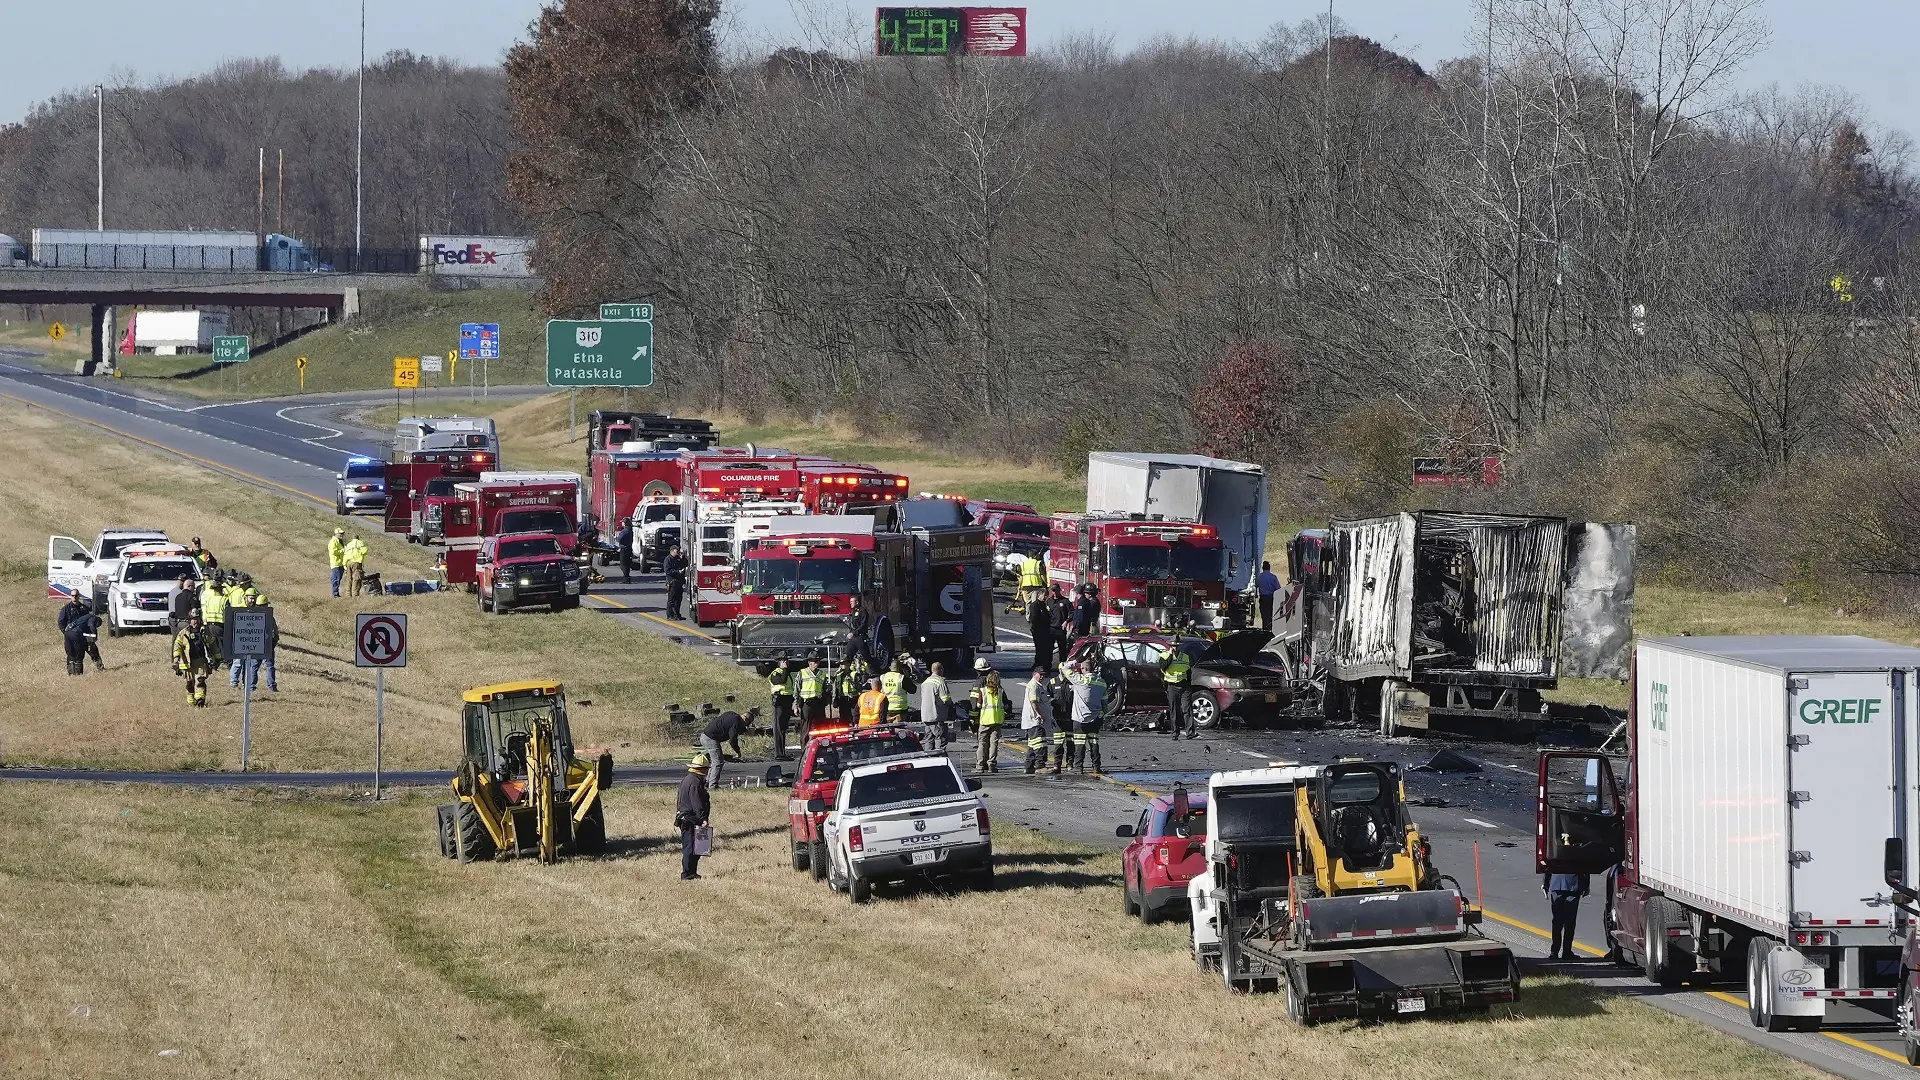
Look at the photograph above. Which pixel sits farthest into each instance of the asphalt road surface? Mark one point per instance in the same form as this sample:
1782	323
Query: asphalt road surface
1480	823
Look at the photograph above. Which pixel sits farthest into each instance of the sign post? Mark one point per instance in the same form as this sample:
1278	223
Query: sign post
379	642
300	362
249	638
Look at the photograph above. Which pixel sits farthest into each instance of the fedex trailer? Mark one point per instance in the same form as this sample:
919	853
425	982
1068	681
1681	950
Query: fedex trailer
1749	821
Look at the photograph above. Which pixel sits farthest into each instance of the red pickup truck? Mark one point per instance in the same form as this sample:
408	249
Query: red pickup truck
818	777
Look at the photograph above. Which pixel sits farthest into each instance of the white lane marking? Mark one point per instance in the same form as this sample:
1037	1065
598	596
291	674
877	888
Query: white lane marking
331	433
1015	633
96	389
225	404
1251	753
1482	824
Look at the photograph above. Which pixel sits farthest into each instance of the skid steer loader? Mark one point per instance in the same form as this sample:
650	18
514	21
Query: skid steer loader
1366	927
521	790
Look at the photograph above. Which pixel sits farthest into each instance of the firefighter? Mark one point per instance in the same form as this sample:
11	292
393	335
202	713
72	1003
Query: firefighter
196	653
1177	674
936	710
990	714
1036	719
893	683
80	631
1089	707
1033	581
780	686
810	689
848	687
1040	627
873	705
354	558
1062	623
337	558
675	568
624	538
213	603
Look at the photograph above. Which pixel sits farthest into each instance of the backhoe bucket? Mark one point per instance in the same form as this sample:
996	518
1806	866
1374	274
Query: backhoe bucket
1379	918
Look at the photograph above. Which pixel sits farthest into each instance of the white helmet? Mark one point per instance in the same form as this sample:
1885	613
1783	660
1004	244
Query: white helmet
980	664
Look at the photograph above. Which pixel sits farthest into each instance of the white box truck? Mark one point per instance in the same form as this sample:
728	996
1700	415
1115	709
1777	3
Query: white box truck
167	333
1231	496
1748	822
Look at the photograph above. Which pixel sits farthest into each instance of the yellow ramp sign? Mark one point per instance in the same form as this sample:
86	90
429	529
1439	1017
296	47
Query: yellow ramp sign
406	373
56	331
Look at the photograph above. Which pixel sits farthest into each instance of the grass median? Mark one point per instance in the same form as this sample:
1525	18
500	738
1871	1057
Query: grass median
273	936
74	480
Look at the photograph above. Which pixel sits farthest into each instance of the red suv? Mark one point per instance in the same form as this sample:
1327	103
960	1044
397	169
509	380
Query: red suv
1168	850
818	777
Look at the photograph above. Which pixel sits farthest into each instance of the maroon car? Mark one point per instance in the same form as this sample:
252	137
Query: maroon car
1234	679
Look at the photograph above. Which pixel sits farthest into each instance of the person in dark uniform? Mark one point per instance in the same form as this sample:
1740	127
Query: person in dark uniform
860	630
80	628
676	570
1062	624
692	807
624	538
1563	896
723	730
1040	627
780	686
1086	612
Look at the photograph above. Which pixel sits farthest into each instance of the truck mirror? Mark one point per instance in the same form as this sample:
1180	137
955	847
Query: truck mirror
816	805
1896	861
973	784
1123	831
775	778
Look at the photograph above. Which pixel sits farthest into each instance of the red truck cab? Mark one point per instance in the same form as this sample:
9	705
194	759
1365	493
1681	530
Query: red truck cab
818	777
420	486
524	569
495	508
1145	572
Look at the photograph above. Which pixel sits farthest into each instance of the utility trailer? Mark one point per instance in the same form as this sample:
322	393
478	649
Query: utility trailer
1458	621
1261	926
1747	835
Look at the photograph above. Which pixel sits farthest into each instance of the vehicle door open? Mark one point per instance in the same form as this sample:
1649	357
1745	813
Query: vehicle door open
1580	826
67	562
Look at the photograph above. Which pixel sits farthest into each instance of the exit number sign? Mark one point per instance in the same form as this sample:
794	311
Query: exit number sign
950	31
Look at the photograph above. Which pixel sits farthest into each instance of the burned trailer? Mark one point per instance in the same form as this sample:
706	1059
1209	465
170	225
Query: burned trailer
1443	620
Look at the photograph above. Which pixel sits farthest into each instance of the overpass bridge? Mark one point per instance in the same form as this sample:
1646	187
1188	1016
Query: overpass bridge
104	291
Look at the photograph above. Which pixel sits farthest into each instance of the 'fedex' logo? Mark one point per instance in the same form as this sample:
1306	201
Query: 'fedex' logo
472	253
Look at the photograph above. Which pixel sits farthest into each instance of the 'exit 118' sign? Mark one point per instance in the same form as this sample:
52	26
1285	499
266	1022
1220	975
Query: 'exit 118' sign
950	31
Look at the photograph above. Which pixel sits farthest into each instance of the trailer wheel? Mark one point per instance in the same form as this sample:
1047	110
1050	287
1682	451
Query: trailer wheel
1297	1004
1660	968
1233	985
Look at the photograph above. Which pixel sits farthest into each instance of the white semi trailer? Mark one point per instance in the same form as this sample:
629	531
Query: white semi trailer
1749	820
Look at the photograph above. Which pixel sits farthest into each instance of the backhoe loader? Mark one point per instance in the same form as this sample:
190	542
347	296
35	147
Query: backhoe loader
521	789
1365	926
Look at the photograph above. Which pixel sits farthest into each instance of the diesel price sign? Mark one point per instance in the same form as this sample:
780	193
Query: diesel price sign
602	353
950	31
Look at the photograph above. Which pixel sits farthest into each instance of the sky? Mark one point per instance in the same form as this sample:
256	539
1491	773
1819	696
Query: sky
1865	47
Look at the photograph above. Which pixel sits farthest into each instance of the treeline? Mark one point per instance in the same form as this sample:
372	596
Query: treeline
186	154
1655	300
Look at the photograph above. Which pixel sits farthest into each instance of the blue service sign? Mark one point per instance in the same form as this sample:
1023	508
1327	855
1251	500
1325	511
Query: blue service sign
480	341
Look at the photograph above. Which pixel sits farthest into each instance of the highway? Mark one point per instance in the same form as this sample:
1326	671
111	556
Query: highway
294	446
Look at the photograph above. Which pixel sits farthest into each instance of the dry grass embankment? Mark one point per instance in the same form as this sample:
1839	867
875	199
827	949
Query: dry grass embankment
268	937
73	480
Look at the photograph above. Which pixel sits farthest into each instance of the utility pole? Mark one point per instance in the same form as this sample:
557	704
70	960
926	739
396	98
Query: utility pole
280	192
260	214
100	158
359	126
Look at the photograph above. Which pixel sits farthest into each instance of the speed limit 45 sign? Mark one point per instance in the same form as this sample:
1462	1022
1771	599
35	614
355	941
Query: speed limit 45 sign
380	641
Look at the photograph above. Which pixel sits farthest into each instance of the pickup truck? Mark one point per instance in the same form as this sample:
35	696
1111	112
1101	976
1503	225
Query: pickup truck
142	588
523	569
818	777
75	569
912	819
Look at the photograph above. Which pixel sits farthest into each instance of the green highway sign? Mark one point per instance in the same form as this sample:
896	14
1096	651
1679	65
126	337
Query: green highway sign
610	352
232	349
631	312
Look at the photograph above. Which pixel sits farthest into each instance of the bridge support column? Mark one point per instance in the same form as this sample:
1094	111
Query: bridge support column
91	362
109	348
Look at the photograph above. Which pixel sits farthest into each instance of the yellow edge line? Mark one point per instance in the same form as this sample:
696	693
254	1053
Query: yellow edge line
1591	951
214	465
649	615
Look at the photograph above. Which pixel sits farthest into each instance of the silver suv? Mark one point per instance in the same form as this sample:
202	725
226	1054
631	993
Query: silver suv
363	486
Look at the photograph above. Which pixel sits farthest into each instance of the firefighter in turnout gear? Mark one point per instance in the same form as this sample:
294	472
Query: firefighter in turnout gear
196	653
780	685
213	603
1089	707
848	686
1038	723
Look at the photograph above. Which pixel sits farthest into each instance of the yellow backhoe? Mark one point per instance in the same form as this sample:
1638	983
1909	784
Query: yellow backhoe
521	789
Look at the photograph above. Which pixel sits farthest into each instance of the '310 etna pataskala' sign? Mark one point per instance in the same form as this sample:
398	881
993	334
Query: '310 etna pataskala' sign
607	352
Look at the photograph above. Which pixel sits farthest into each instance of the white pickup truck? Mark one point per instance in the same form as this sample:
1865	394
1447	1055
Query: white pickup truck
899	820
141	591
74	569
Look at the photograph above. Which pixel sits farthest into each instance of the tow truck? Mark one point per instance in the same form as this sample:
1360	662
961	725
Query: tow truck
481	509
831	751
926	591
1146	572
1319	885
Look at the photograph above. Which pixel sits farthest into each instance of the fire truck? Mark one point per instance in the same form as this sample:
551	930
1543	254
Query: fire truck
830	487
420	485
1147	572
726	499
480	509
925	591
644	486
611	429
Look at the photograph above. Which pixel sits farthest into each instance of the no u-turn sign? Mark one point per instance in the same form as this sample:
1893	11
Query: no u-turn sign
380	641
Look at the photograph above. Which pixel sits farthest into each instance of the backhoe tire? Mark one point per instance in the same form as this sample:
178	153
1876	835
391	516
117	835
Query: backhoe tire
590	833
443	828
1304	887
475	842
801	856
859	889
817	859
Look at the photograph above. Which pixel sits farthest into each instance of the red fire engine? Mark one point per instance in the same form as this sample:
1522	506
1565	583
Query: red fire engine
420	484
832	487
489	508
1169	574
619	480
724	500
